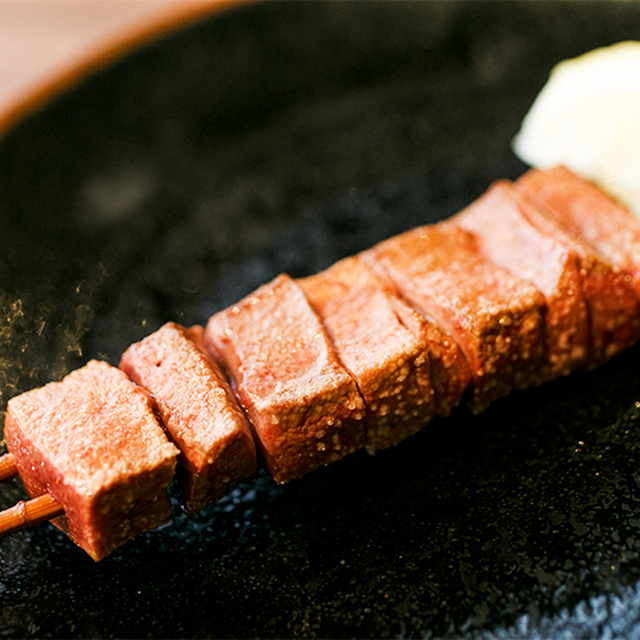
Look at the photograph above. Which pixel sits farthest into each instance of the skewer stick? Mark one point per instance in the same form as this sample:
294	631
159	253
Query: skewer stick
29	513
7	467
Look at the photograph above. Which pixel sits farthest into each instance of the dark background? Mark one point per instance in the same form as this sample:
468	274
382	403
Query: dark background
282	137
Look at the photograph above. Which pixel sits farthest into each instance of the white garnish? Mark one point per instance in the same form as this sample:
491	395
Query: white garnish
587	117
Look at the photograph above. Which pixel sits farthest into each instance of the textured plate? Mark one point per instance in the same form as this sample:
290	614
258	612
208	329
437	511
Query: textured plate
282	137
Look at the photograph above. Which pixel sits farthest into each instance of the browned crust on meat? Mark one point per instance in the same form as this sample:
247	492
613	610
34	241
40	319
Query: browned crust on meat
614	308
389	363
450	371
198	410
505	234
305	408
93	442
589	214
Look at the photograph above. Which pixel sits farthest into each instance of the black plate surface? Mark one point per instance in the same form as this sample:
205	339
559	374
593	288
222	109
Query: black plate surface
282	137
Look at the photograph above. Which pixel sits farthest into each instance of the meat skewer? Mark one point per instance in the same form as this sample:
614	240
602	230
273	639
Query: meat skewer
8	467
94	443
585	211
305	409
500	224
592	309
494	317
361	355
407	369
198	410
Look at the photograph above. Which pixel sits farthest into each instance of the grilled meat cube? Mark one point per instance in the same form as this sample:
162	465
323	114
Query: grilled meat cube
586	212
93	442
305	408
494	317
613	304
450	372
388	362
499	220
199	412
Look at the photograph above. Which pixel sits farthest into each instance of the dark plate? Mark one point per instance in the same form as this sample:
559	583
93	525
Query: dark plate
281	137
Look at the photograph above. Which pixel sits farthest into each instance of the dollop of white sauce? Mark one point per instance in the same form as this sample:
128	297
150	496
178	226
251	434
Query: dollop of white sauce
587	117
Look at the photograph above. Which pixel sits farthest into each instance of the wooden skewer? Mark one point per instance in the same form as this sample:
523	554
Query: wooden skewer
29	513
7	467
25	513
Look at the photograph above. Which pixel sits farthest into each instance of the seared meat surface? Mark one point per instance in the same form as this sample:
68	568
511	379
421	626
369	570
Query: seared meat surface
389	363
507	237
305	408
93	442
494	317
523	285
198	410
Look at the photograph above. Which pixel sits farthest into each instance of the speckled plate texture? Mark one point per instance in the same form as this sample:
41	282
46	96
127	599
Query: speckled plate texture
282	137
